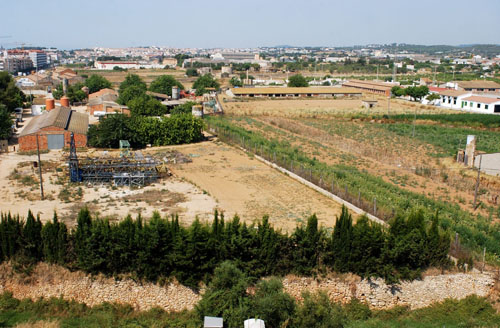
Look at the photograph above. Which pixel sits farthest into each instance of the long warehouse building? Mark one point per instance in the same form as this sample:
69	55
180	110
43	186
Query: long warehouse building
381	88
291	92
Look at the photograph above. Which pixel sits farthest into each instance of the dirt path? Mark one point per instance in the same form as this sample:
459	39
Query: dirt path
244	186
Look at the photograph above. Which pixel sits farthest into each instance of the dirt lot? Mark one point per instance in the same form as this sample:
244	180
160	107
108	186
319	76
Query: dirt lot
319	107
20	192
219	177
242	185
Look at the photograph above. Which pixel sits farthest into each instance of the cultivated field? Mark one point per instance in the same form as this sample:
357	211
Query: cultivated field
380	154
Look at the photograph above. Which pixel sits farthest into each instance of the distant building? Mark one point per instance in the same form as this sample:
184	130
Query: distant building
109	65
479	86
370	86
39	59
286	92
170	62
17	64
54	129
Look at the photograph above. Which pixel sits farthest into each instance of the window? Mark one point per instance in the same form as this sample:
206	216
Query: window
478	105
485	106
492	90
465	103
480	89
471	104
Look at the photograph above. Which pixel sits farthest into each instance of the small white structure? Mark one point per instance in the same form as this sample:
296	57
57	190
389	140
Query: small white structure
213	322
254	323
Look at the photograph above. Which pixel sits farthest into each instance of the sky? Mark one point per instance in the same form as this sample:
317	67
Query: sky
71	24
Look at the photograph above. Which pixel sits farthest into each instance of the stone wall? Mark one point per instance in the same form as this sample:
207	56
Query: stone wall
415	294
55	281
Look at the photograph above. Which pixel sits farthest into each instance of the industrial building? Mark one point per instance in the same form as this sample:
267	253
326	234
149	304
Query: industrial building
54	128
381	88
288	92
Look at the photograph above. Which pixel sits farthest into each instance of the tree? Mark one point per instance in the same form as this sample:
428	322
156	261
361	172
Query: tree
432	97
318	311
112	129
132	80
297	81
74	92
417	93
235	82
226	296
203	82
271	304
5	123
10	95
163	84
397	91
192	72
97	82
146	106
129	93
185	108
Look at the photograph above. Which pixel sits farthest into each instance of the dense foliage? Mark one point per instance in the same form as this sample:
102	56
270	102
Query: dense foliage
297	81
415	92
226	296
74	92
141	130
5	122
475	231
130	88
203	82
10	95
146	106
97	82
164	83
163	248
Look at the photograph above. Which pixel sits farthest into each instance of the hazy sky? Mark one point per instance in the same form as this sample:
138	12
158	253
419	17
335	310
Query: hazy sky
217	23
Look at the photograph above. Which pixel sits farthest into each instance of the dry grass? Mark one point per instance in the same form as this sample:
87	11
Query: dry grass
152	197
39	324
321	107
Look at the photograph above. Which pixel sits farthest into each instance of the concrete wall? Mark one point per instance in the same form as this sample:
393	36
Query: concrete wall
490	164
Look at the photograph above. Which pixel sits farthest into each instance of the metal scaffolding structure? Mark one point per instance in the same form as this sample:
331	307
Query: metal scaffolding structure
134	170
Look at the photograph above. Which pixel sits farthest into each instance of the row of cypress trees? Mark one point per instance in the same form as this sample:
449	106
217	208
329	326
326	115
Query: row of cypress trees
161	248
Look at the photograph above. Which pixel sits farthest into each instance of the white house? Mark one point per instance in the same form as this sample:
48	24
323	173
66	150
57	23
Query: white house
481	104
452	98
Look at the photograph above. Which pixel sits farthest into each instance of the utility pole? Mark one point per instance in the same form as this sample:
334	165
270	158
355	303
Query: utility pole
388	105
477	181
435	67
414	122
39	166
377	70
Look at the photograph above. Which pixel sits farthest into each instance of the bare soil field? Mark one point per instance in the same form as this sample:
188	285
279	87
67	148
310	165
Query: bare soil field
245	186
19	186
220	177
320	107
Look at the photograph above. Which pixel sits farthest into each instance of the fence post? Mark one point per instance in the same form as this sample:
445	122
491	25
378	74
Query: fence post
375	206
359	197
333	182
345	191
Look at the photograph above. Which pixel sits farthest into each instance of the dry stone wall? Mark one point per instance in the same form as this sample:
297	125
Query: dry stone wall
378	295
54	281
